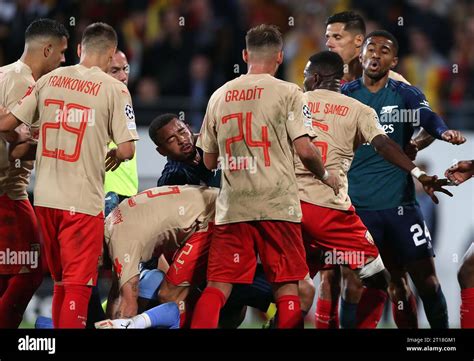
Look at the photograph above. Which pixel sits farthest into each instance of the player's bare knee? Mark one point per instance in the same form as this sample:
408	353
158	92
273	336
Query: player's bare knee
306	290
398	289
375	275
329	285
429	286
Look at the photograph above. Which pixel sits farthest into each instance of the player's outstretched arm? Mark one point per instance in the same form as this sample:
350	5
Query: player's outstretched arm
113	299
394	154
431	122
460	172
311	158
453	137
422	140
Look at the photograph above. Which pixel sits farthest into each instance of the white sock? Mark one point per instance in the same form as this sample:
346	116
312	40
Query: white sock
141	321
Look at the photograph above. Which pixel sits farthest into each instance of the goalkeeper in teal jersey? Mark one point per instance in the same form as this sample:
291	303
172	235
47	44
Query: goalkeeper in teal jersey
384	195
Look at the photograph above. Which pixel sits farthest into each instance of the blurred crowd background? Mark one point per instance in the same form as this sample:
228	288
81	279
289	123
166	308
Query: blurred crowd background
180	51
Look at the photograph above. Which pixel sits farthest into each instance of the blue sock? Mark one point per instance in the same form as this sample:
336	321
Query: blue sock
436	309
164	316
348	314
44	322
150	282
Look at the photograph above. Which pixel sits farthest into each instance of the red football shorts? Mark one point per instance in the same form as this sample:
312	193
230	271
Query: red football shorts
234	249
19	236
72	243
334	237
189	264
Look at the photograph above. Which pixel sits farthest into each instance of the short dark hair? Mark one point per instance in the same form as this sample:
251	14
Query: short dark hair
353	21
158	123
385	34
263	35
99	36
45	27
327	63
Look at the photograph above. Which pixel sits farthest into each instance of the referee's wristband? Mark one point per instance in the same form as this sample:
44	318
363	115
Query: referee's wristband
417	172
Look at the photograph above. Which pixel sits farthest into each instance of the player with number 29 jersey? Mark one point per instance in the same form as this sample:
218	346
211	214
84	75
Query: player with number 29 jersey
80	110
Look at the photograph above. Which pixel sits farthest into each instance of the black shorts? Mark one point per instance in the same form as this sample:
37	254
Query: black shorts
401	232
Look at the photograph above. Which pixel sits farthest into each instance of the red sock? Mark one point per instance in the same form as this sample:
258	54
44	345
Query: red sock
327	314
74	308
186	317
405	315
370	309
18	293
58	298
289	312
208	307
467	308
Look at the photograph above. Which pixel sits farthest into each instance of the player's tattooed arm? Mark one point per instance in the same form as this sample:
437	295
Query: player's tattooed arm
113	299
128	306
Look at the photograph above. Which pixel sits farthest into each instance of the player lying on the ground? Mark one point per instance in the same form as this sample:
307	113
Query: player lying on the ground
173	138
161	316
163	220
458	174
342	124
